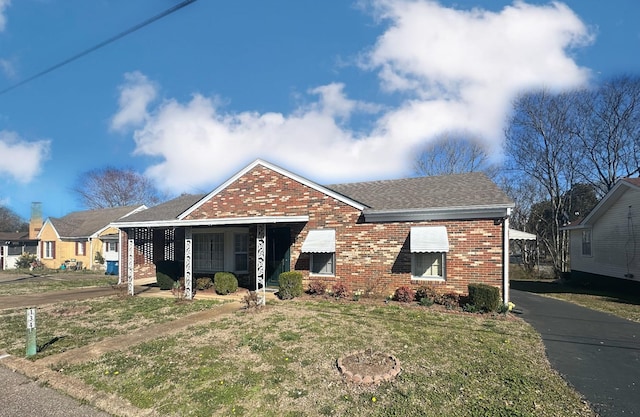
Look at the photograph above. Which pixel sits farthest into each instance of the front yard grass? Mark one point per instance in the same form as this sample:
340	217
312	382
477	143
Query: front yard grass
73	324
281	361
56	281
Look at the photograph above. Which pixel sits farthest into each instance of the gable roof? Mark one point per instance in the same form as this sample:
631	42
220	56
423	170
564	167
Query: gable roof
85	224
621	187
281	171
423	198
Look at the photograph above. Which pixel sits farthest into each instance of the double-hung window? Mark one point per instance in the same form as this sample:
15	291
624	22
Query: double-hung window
323	263
241	251
48	249
80	247
429	247
208	252
586	242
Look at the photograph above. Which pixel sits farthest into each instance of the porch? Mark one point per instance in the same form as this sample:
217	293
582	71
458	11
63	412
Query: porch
256	253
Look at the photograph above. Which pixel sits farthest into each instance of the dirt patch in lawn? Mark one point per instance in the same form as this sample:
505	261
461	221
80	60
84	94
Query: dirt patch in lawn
369	367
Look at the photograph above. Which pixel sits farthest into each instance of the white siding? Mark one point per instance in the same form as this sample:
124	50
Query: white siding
615	240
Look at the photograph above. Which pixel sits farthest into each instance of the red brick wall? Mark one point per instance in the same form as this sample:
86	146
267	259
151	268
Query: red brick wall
368	255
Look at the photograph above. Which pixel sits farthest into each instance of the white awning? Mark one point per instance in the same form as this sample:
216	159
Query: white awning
429	239
520	235
320	241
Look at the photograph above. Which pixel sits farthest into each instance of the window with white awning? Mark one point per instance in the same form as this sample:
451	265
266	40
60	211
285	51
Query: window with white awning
321	245
429	246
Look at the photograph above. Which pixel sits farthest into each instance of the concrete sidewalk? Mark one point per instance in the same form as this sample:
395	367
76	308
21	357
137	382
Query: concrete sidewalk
597	353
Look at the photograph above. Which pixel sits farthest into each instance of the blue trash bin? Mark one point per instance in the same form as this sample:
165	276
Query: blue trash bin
112	268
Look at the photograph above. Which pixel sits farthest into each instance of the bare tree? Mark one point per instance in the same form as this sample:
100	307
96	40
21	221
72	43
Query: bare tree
608	128
454	153
539	143
113	187
11	222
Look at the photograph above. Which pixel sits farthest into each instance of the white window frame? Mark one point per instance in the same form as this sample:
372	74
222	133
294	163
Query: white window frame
47	252
429	277
242	251
329	268
80	248
587	243
111	246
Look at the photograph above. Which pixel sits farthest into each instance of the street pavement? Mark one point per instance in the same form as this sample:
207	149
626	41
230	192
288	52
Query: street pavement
597	353
23	397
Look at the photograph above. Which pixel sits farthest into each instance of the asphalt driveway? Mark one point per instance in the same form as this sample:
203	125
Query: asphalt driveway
597	353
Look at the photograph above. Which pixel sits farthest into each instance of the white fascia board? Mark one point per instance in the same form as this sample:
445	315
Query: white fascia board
229	221
450	213
576	227
280	171
52	226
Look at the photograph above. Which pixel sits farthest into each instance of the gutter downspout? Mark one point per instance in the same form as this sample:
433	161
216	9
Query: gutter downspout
505	258
91	257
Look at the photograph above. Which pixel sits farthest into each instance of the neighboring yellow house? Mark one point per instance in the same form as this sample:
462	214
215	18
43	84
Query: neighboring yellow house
75	239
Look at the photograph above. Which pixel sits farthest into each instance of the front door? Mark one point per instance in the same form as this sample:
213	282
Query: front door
278	253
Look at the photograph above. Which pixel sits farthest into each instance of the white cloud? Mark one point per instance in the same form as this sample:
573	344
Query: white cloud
135	95
21	160
7	68
3	19
452	69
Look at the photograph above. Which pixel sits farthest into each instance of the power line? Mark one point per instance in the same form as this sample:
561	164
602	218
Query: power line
100	45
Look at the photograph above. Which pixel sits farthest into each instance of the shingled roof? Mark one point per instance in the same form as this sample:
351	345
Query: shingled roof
459	190
87	223
169	210
472	191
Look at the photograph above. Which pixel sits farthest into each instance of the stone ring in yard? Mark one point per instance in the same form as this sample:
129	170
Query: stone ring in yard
369	367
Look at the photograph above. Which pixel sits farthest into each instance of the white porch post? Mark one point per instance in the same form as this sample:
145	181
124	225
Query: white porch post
130	257
505	258
261	256
188	269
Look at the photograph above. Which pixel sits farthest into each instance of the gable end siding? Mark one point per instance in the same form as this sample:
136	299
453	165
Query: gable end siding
615	240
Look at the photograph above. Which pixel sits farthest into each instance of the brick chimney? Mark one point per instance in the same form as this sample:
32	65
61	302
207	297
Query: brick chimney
35	223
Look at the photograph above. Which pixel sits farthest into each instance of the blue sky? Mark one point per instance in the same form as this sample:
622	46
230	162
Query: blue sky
333	90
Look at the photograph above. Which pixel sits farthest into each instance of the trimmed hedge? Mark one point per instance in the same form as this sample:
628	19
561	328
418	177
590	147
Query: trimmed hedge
290	284
225	283
484	297
167	273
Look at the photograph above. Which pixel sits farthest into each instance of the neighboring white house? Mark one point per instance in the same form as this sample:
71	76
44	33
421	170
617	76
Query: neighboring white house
13	245
606	242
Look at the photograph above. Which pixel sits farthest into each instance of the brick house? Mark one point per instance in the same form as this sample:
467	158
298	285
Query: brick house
447	231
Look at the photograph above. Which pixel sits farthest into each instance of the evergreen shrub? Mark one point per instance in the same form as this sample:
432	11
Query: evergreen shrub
290	284
225	283
484	297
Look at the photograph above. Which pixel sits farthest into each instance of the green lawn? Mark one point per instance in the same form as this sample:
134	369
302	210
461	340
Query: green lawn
281	361
69	325
54	281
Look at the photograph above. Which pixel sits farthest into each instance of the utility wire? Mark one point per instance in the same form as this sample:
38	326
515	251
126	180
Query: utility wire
100	45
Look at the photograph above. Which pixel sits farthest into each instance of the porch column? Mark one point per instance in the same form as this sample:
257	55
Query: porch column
505	258
261	258
130	257
188	269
